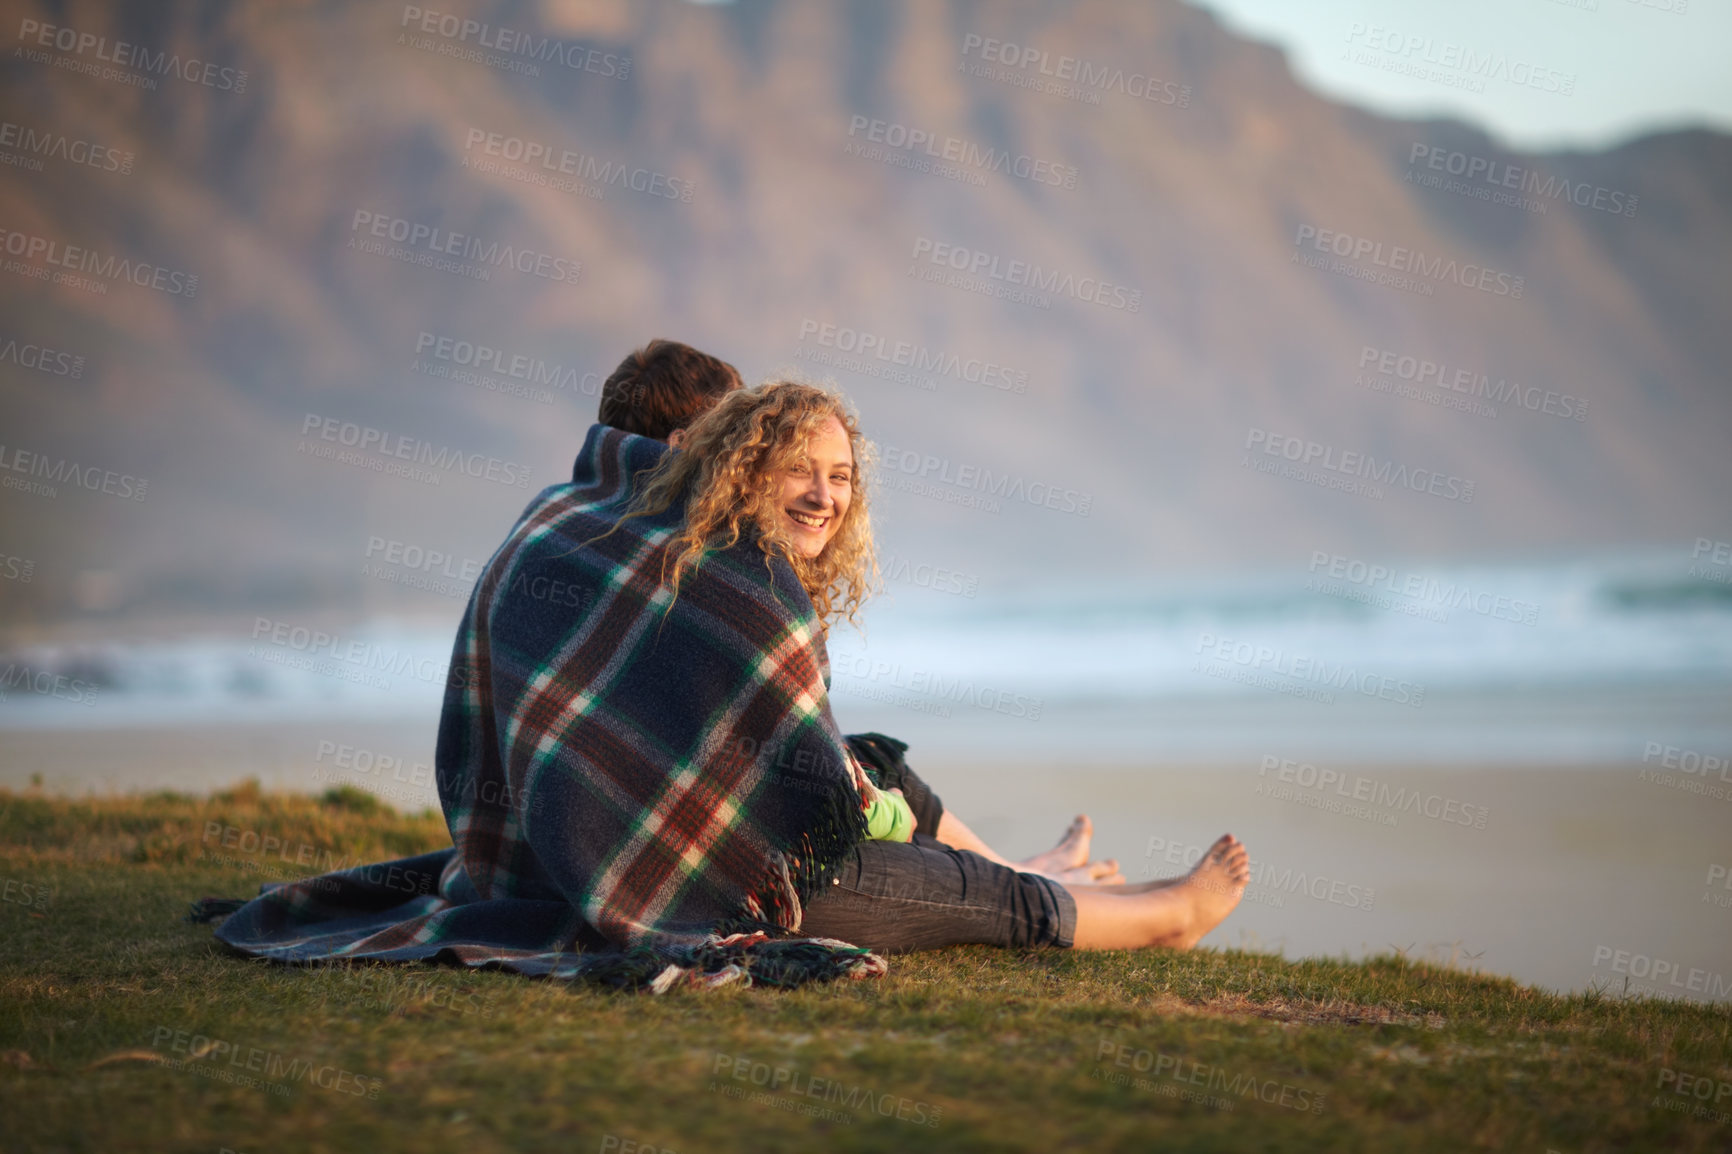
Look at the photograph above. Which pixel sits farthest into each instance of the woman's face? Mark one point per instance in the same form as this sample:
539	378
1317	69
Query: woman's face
816	491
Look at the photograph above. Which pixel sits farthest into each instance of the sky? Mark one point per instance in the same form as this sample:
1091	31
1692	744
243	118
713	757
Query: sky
1557	74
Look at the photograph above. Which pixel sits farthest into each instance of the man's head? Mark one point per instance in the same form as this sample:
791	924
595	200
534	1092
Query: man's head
663	387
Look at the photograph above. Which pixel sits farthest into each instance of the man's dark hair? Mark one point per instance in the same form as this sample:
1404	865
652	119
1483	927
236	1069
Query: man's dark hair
662	387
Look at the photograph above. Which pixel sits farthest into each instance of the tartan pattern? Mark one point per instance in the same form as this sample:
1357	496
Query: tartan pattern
637	794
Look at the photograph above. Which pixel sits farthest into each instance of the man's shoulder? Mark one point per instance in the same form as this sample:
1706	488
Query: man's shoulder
611	458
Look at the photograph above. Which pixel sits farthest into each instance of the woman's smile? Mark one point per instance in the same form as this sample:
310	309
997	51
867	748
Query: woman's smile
816	492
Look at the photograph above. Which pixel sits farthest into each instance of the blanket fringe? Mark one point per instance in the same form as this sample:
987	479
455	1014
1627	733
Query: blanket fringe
665	980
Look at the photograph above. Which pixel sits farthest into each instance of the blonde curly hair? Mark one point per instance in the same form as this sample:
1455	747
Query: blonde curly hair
733	459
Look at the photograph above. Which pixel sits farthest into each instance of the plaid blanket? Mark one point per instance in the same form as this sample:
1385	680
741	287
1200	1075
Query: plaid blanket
638	794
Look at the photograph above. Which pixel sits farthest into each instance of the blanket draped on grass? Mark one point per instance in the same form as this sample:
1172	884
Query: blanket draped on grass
638	794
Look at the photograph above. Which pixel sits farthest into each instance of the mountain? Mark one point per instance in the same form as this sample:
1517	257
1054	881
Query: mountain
743	176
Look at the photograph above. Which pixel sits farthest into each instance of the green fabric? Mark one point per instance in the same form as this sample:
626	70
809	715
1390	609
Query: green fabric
888	818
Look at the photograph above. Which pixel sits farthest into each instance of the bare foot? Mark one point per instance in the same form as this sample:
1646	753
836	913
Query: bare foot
1071	852
1094	873
1211	890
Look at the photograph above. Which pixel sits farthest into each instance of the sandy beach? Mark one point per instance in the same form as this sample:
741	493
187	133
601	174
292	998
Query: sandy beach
1577	878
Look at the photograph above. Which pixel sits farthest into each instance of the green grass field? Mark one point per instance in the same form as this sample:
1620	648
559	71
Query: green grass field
124	1028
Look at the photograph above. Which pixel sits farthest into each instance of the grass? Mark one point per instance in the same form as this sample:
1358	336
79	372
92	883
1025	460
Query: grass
118	1020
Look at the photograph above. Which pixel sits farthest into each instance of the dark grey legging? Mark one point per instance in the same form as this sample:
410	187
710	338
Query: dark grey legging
922	895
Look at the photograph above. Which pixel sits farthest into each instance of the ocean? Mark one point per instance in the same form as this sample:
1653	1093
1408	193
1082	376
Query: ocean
1568	664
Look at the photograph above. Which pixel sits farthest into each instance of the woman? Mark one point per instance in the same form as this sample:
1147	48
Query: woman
785	464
